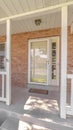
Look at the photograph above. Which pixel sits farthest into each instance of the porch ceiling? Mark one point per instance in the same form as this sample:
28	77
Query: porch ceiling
14	7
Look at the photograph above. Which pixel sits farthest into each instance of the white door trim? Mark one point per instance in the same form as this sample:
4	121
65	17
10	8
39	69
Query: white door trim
48	65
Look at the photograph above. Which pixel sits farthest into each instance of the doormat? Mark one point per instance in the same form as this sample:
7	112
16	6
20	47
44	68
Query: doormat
38	91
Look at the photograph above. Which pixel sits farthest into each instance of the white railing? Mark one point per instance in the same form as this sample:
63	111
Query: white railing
2	84
70	108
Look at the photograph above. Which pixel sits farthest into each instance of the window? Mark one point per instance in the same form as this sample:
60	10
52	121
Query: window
2	56
54	60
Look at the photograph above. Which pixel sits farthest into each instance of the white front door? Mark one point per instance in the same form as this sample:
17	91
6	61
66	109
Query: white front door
38	61
42	66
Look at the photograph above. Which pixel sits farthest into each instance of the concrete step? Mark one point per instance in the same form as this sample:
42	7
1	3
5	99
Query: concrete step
29	126
3	116
26	122
11	123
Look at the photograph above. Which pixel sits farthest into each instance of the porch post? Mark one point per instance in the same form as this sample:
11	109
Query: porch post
8	63
63	62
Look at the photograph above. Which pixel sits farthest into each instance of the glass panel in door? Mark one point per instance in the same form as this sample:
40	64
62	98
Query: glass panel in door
38	62
54	58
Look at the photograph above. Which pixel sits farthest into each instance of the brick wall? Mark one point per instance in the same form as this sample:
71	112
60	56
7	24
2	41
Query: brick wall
70	52
19	53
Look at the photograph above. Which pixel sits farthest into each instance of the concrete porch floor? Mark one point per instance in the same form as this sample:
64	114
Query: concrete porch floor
38	109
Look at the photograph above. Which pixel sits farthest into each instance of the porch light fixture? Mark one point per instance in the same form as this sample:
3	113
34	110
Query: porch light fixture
71	28
37	22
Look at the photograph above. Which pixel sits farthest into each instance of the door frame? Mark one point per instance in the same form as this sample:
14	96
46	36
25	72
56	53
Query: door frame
48	54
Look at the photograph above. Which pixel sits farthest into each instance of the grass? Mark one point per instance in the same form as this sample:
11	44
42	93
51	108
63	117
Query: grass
39	80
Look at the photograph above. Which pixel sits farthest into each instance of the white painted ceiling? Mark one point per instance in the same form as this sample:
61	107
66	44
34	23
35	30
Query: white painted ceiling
14	7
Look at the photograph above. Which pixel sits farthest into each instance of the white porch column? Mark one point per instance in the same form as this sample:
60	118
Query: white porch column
8	63
63	62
